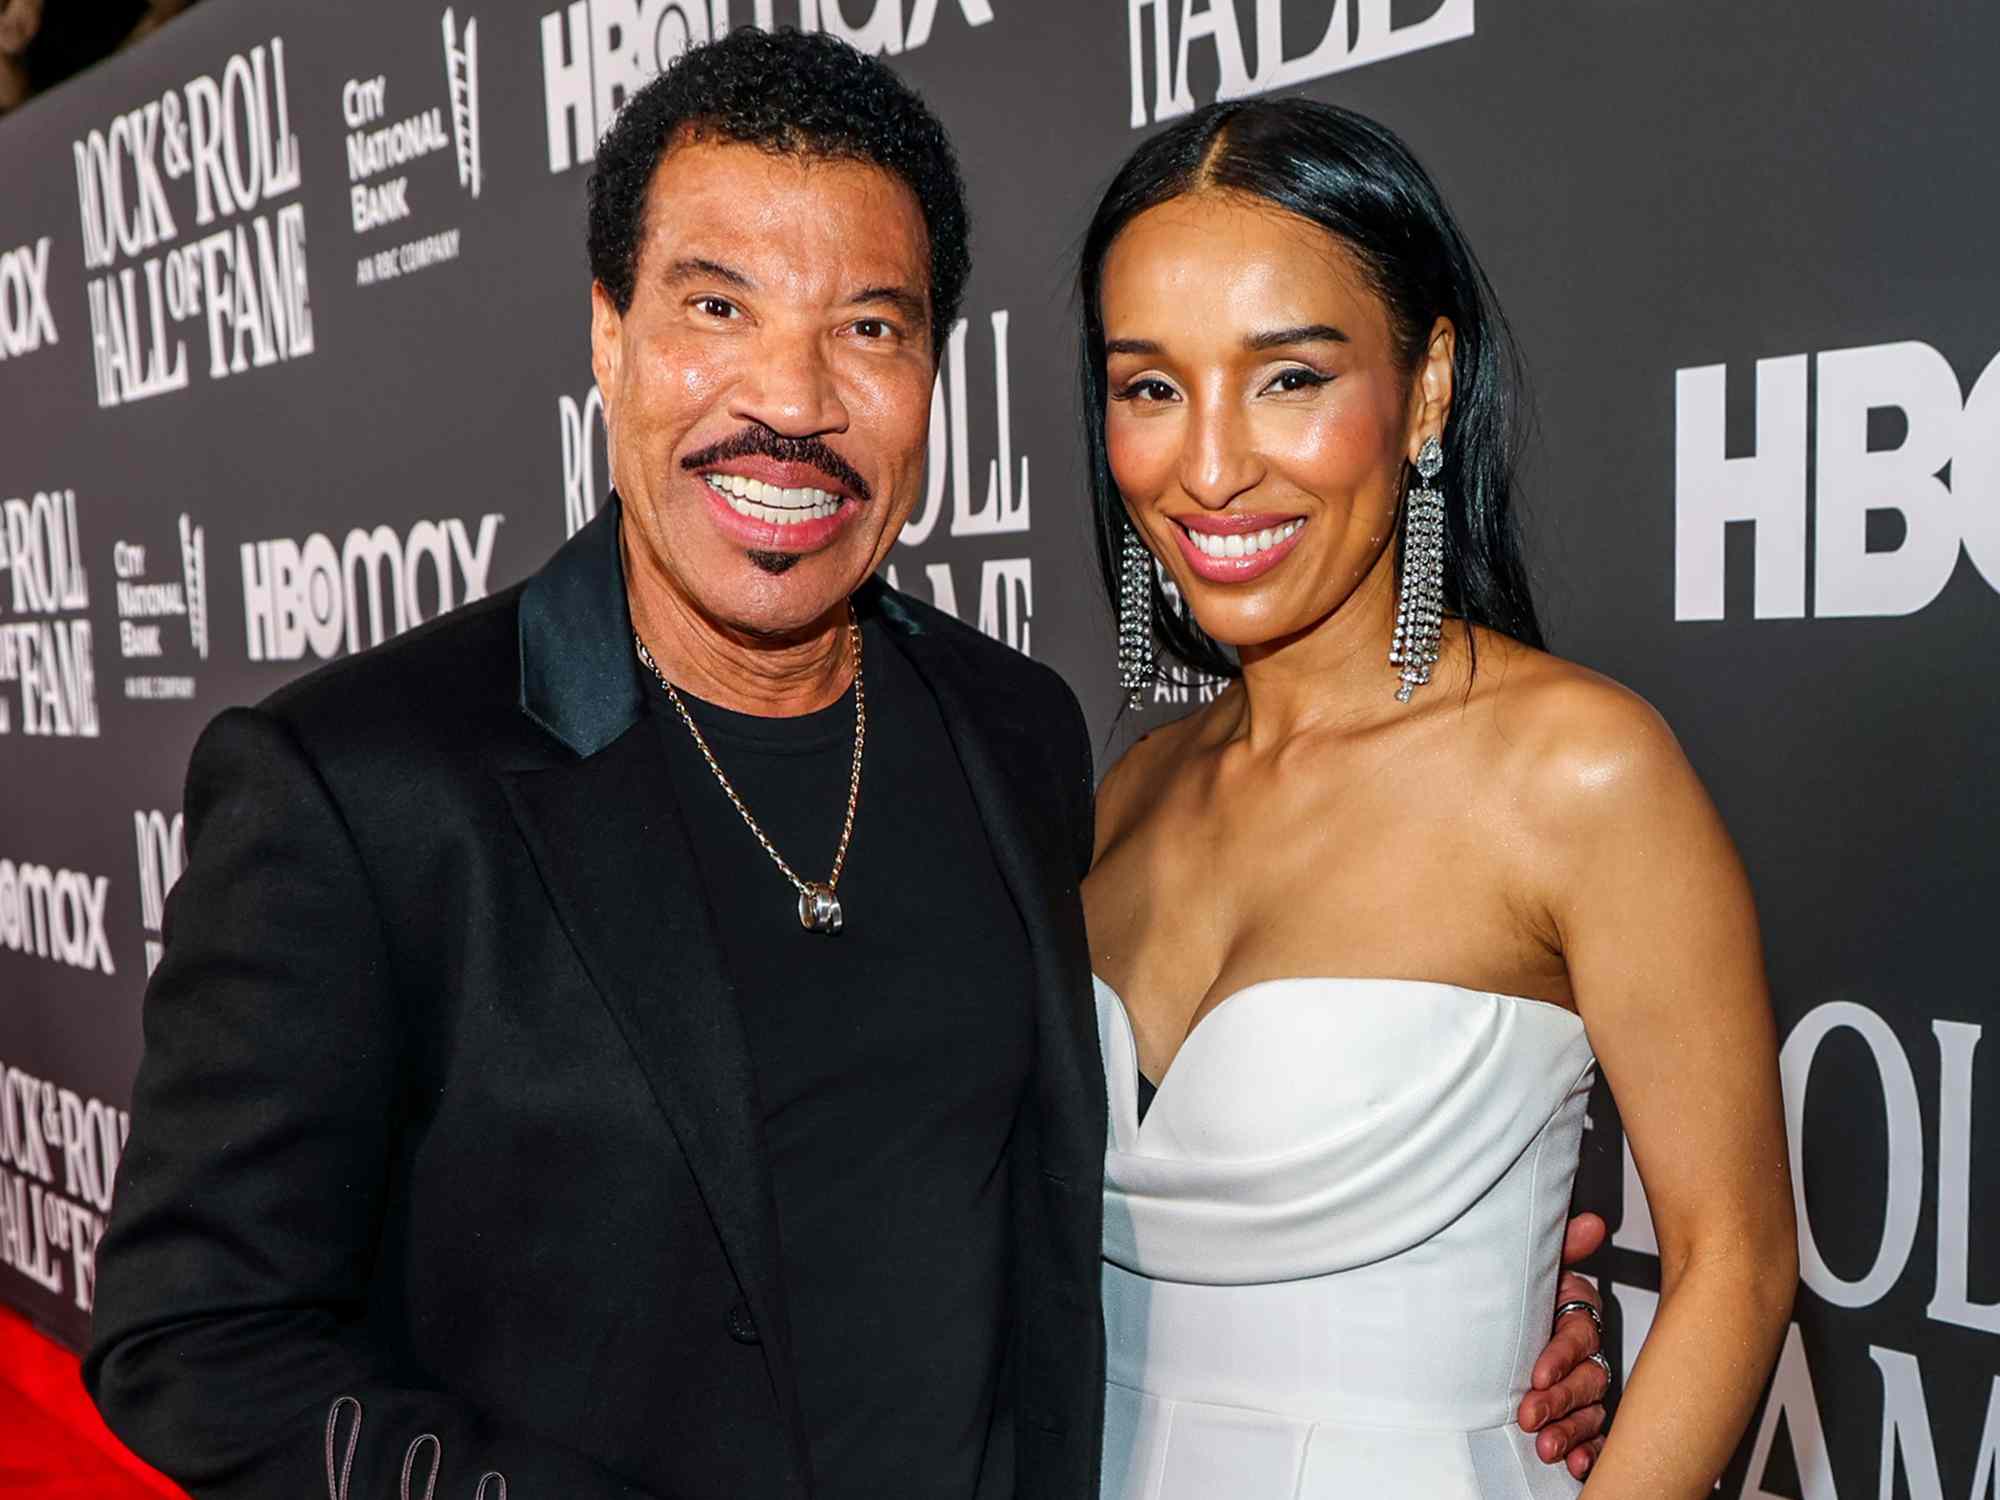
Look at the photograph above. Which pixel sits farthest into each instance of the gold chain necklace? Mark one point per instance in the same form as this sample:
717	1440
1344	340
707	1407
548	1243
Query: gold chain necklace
819	907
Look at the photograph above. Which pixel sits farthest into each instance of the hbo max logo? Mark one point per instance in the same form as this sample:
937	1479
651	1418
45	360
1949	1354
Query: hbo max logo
311	596
595	53
1893	439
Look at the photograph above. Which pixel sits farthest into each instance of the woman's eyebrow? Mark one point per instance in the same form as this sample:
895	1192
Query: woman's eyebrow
1311	333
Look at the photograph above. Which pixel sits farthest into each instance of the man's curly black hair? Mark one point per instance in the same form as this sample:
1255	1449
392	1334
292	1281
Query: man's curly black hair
796	94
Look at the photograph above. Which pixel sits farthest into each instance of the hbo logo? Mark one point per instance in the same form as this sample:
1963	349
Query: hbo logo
1939	514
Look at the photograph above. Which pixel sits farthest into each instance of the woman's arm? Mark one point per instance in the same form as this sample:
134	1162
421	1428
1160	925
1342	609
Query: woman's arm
1659	933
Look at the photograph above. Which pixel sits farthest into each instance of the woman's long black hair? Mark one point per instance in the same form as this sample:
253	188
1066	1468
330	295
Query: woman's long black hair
1357	181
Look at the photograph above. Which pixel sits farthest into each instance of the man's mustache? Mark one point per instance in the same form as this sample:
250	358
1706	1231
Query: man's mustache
764	443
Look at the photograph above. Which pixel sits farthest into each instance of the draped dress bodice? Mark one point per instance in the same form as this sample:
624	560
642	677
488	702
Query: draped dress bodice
1331	1247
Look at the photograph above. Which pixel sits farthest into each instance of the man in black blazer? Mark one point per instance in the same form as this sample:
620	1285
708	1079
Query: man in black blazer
631	1036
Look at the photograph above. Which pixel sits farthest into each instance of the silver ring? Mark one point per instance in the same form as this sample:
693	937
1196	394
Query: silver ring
1579	1305
1596	1357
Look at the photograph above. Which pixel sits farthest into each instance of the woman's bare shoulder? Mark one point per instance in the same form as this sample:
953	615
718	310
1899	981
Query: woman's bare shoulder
1569	741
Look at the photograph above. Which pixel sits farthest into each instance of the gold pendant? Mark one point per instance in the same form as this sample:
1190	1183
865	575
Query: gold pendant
819	908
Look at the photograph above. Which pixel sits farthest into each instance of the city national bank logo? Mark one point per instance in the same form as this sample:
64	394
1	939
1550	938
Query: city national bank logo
49	653
314	597
55	914
1353	35
243	284
597	52
1006	583
376	149
26	321
146	602
1888	525
162	850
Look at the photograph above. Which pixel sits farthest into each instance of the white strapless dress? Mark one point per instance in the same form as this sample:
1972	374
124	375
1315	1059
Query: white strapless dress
1331	1249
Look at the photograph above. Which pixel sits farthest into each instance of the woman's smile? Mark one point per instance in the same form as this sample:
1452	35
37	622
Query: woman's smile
1234	548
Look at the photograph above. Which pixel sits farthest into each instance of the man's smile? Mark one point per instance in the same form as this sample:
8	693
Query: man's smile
766	506
767	502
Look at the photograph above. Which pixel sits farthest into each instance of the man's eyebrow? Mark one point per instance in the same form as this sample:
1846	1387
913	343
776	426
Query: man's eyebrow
1310	333
1131	346
692	267
901	298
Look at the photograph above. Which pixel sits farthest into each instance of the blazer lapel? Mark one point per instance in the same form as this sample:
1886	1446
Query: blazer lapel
607	837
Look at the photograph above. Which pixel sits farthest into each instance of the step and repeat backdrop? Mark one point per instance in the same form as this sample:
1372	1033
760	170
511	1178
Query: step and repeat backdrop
293	356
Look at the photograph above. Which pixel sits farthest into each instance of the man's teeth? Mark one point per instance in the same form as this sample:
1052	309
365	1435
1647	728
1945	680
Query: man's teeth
769	502
1241	543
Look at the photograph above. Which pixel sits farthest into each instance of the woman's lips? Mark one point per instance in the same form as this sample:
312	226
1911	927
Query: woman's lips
1235	549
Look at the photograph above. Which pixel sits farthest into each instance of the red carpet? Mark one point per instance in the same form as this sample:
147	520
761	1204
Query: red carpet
53	1445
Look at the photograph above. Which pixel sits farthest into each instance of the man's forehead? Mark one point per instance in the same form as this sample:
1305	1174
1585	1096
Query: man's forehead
722	194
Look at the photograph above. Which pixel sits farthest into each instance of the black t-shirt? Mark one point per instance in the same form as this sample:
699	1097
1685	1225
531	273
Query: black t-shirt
891	1060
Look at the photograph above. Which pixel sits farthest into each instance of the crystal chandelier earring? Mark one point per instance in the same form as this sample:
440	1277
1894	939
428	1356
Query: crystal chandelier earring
1135	617
1420	601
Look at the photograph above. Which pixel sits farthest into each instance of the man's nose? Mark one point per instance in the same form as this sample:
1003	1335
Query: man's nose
791	387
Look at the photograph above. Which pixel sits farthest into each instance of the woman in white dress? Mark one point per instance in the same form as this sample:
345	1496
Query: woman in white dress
1372	918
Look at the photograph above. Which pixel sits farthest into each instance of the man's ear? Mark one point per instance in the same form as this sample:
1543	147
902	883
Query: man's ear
607	345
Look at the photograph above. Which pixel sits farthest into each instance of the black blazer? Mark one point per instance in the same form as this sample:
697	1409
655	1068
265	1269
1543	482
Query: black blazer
443	1151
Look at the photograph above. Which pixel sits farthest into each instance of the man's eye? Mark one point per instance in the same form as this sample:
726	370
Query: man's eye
716	307
872	328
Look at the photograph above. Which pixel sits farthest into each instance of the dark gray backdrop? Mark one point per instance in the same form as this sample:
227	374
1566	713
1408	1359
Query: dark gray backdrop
1749	251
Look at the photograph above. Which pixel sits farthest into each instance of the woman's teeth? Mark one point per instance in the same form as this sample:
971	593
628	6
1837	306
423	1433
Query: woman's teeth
1241	543
767	502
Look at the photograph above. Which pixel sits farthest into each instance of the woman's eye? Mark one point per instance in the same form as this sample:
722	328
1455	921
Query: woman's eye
1147	389
1297	380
